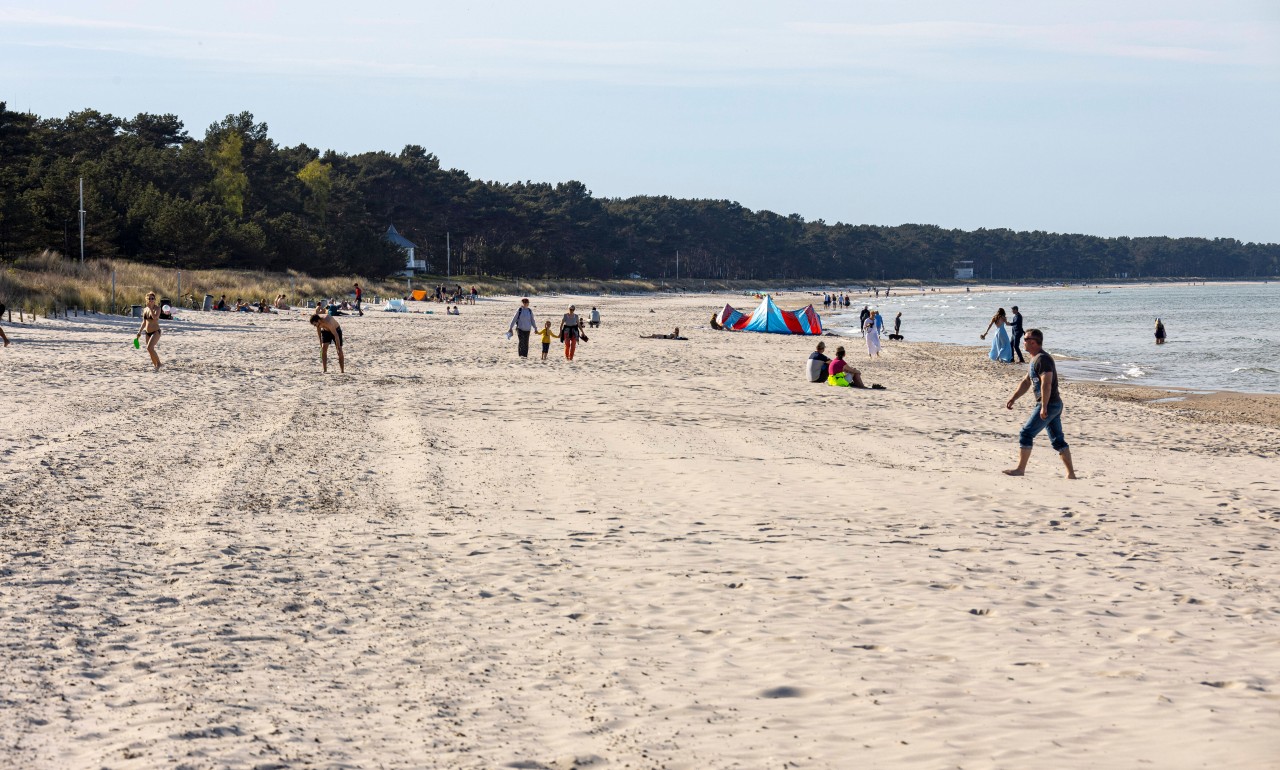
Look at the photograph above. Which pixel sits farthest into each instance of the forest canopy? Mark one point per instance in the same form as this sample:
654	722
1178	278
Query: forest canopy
235	199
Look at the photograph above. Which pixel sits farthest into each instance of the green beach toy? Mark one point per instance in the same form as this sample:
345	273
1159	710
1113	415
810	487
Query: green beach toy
136	344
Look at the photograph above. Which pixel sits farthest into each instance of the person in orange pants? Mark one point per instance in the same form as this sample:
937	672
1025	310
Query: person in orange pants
570	329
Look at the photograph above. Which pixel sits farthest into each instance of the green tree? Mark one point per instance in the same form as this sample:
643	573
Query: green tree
230	183
318	180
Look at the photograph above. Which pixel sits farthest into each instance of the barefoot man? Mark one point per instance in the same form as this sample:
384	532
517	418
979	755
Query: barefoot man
1043	377
330	333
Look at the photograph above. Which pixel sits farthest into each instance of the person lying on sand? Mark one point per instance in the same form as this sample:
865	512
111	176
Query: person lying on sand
330	333
675	335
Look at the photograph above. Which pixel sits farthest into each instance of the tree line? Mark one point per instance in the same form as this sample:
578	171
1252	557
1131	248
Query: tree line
236	199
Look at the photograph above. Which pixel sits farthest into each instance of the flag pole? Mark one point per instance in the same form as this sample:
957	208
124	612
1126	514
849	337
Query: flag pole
82	220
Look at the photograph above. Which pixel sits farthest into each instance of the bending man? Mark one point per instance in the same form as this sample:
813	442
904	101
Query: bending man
330	334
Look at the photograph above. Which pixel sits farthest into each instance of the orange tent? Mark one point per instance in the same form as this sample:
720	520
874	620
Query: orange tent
419	294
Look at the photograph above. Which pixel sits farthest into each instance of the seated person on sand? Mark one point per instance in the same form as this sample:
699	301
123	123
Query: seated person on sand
842	375
280	302
716	324
595	318
817	365
675	335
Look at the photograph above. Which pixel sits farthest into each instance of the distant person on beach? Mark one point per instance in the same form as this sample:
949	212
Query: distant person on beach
863	316
330	333
872	334
570	331
546	335
595	318
1043	378
1000	350
359	294
897	327
3	336
151	327
817	365
675	335
1159	332
1015	326
523	323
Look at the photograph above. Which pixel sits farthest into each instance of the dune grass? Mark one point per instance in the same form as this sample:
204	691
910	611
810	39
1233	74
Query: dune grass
49	283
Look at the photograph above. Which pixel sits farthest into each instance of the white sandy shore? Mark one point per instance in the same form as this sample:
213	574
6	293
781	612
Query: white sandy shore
665	554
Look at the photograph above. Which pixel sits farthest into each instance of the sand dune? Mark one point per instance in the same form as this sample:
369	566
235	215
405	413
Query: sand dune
665	554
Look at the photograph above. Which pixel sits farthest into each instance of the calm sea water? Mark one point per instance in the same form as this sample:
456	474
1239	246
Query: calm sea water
1221	337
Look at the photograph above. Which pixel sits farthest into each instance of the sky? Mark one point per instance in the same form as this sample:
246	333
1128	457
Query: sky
1124	117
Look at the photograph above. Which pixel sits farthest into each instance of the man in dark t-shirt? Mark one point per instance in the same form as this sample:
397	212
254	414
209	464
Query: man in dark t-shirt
1043	378
817	366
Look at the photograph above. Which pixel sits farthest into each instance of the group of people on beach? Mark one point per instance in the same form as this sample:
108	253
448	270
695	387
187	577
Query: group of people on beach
523	325
326	326
835	371
1003	347
1042	377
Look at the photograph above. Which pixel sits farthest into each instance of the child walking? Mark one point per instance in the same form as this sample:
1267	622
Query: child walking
546	334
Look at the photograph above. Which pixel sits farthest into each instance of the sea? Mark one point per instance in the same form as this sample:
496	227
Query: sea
1221	336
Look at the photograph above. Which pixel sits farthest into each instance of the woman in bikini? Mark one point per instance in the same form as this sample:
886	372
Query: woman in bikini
151	327
569	331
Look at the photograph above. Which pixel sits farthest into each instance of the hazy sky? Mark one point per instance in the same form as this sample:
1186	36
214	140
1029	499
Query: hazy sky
1124	117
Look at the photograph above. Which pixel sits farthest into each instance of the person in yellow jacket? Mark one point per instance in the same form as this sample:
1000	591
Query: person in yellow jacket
546	335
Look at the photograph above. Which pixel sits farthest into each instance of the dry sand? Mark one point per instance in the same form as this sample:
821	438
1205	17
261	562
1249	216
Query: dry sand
665	554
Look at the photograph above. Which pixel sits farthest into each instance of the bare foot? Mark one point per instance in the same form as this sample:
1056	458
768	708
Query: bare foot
1070	475
1013	472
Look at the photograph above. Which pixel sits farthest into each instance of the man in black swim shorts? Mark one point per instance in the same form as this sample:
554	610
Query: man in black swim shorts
330	334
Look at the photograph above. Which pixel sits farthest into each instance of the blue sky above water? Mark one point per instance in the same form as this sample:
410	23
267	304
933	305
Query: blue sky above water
1117	118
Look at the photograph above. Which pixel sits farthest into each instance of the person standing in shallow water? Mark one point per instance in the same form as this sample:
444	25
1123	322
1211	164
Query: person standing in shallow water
1015	326
1000	349
1160	334
1043	377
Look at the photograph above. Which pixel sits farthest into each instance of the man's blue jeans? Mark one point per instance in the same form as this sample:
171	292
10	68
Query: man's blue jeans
1053	423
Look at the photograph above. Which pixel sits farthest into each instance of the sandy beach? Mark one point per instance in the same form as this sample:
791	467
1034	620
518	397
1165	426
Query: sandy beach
664	554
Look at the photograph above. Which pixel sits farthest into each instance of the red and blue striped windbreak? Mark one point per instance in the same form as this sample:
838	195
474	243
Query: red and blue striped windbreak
768	317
